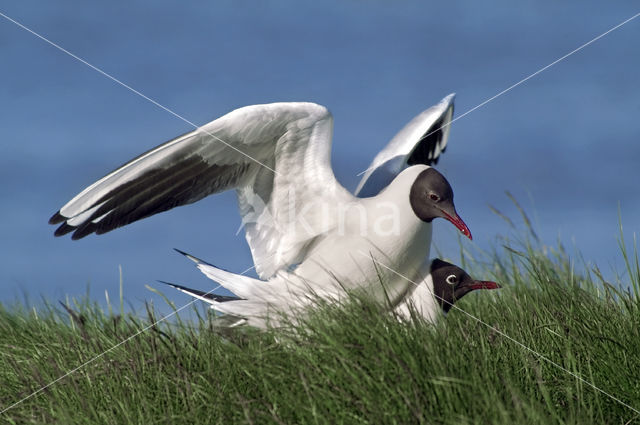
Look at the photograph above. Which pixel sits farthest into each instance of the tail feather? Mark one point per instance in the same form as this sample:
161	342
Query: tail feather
207	297
190	257
231	317
228	321
259	303
258	314
243	286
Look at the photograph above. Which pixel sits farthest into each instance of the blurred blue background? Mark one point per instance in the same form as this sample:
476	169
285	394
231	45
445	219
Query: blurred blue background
566	143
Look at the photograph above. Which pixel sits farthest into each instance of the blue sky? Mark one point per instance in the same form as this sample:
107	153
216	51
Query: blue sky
565	143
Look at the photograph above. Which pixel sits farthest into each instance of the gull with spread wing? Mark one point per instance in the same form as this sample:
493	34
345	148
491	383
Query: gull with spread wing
306	232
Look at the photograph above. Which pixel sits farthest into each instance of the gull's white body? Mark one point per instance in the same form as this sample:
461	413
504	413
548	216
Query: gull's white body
410	257
339	261
421	299
388	163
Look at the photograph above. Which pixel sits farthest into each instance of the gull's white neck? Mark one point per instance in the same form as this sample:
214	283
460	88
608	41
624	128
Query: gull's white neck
380	238
422	300
391	220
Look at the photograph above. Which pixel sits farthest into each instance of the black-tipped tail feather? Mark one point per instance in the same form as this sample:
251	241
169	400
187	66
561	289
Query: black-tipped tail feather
204	296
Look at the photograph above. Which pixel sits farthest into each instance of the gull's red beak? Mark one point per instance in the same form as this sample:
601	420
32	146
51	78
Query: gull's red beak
484	284
457	221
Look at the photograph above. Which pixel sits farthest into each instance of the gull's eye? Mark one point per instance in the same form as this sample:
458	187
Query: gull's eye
434	197
452	279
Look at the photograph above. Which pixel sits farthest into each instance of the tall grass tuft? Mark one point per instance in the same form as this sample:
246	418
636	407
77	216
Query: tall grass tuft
348	363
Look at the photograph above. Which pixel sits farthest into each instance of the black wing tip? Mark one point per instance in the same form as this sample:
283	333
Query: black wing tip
63	230
79	232
77	235
57	218
84	230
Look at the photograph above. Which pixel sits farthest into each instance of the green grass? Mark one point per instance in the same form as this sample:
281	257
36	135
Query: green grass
350	364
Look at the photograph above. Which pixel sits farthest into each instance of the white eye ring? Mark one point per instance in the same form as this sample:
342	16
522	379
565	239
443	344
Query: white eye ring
451	279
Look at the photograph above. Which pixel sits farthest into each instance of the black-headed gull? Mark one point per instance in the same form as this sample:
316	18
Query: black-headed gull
300	222
348	258
443	285
422	141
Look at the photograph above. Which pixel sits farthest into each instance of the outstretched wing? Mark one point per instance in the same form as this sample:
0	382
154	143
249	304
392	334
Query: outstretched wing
277	156
421	141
